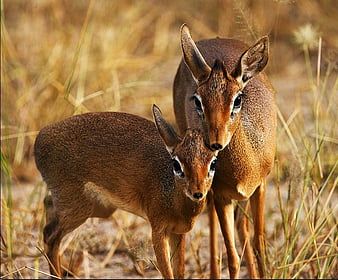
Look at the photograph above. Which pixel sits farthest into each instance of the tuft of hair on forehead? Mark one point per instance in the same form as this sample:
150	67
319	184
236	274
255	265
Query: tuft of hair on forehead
194	139
218	65
220	69
219	77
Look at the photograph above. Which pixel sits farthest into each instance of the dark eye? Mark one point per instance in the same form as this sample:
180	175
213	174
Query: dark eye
238	102
198	104
177	168
213	165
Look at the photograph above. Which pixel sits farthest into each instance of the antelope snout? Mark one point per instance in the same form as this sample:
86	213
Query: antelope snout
194	195
216	146
219	139
198	195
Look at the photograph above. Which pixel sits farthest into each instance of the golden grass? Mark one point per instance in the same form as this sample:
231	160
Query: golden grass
61	58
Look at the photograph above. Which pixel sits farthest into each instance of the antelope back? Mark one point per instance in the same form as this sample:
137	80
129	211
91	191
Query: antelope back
219	87
98	146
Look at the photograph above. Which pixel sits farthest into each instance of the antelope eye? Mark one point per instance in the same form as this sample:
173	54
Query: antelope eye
177	168
213	165
238	102
198	104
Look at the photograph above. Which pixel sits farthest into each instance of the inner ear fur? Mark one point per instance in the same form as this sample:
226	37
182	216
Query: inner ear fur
252	61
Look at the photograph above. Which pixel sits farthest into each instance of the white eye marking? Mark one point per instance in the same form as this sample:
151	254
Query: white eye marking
170	149
177	167
198	104
212	166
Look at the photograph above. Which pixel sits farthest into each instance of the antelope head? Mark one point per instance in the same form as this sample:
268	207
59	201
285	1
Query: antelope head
219	95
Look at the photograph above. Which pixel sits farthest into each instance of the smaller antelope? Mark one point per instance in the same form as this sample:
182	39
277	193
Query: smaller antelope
220	88
95	163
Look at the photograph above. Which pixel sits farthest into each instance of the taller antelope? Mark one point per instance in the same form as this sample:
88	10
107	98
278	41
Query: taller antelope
95	163
220	88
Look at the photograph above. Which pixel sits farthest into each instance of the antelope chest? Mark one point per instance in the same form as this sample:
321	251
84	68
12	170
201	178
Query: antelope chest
184	220
238	185
181	226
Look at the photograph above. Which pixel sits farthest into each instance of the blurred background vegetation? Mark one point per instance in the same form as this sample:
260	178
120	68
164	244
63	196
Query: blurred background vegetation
60	58
66	57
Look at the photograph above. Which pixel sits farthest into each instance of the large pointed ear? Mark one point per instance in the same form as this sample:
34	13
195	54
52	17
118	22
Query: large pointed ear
194	60
167	133
253	61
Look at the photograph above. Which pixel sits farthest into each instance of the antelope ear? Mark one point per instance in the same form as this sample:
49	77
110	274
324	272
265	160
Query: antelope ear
194	60
166	131
253	61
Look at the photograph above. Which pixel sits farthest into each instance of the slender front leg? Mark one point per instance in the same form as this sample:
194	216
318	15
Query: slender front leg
242	224
257	202
214	267
177	242
225	212
161	249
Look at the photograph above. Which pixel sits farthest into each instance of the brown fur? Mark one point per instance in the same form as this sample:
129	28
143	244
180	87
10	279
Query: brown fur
95	163
247	138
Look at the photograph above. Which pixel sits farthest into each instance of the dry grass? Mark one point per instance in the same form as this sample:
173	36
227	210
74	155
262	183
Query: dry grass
67	57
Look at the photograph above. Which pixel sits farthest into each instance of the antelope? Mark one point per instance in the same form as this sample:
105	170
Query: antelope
220	88
95	163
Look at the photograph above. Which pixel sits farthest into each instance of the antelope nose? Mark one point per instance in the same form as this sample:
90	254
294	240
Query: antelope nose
198	195
216	146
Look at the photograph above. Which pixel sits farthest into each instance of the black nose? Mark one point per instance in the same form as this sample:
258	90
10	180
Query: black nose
198	195
216	146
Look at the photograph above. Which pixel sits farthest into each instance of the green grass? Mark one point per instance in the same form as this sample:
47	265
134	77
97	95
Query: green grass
64	58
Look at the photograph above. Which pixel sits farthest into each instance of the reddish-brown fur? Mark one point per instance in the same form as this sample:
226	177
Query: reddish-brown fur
216	70
95	163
